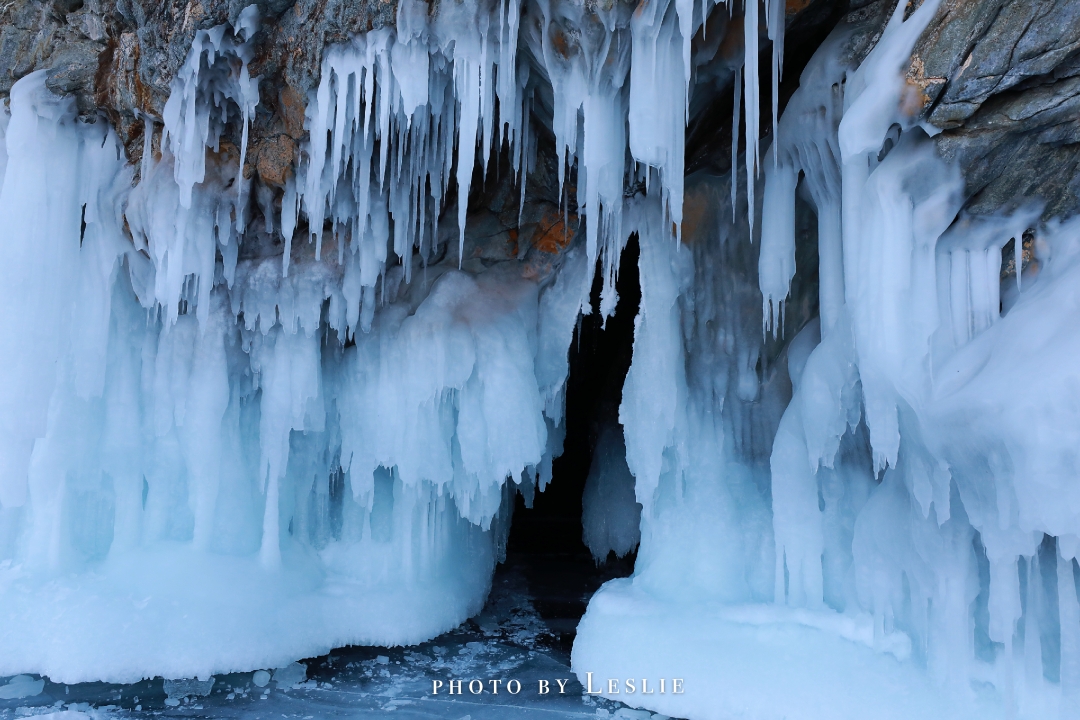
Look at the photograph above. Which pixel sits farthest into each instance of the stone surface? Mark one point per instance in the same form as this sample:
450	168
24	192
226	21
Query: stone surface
1002	80
119	57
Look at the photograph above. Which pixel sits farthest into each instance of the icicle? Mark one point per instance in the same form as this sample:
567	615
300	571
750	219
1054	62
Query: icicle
776	267
467	89
753	106
1069	609
735	123
148	147
248	99
657	108
1033	608
776	11
178	219
289	209
685	11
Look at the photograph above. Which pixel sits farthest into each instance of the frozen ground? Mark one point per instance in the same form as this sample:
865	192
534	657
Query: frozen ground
510	639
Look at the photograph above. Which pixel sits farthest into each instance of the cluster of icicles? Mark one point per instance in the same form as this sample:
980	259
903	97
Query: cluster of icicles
397	111
329	445
400	110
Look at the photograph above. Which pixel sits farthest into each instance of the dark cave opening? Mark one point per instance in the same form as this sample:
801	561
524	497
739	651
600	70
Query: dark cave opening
545	542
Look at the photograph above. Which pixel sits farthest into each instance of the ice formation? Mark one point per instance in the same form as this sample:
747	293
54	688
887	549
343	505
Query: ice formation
324	446
316	423
610	513
911	502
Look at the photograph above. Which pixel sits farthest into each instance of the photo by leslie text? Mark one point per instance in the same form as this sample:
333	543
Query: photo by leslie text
613	686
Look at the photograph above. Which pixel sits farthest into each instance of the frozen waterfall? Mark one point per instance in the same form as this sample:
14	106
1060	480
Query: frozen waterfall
240	429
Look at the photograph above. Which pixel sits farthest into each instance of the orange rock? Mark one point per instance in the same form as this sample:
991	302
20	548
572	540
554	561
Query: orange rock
513	234
916	97
698	203
275	160
291	109
560	42
553	234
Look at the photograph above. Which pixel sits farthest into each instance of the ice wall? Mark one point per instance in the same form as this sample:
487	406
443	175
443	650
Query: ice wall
885	529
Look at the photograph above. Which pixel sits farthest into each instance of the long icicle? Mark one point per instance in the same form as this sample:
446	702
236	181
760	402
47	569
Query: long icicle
735	122
753	105
777	12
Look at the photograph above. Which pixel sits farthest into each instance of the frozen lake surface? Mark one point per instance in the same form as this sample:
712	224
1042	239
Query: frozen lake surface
524	633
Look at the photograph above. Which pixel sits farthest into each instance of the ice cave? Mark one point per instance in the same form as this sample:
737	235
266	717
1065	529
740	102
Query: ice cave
705	360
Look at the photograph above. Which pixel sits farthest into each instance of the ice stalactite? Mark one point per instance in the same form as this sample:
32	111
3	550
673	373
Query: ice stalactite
587	60
658	107
806	143
192	121
751	107
736	120
184	232
47	252
390	110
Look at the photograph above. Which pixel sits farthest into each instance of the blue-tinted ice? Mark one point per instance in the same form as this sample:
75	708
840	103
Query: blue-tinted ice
508	640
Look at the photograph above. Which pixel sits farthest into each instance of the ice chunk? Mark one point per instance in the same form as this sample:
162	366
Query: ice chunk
193	687
21	686
292	674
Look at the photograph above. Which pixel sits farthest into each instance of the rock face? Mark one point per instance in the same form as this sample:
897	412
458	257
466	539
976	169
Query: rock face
1002	81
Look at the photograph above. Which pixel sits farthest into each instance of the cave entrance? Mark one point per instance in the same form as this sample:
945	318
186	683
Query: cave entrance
545	543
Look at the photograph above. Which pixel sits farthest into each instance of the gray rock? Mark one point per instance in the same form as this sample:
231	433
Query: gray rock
974	50
1000	78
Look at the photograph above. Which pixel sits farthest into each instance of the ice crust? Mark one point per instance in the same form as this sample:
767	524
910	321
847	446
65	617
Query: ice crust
216	460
